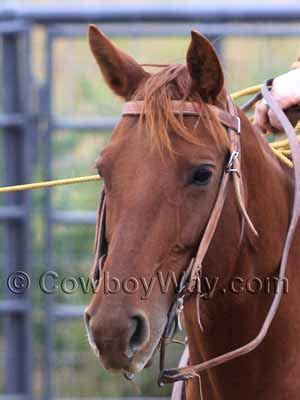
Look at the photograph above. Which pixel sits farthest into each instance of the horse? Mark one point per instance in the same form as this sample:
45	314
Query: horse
163	170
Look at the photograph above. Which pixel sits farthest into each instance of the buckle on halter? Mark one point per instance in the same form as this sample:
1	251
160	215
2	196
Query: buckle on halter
239	125
179	310
229	167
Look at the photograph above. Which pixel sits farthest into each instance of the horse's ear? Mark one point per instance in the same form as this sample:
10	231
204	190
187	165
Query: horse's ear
204	67
122	74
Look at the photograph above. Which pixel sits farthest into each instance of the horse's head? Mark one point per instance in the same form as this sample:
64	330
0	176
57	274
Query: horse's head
161	174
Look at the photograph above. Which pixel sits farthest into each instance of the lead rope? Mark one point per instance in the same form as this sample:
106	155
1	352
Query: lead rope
185	373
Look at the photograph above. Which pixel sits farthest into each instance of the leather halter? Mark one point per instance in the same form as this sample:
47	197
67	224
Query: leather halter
231	121
187	108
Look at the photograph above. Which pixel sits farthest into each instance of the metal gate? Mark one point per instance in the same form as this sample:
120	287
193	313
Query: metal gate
16	121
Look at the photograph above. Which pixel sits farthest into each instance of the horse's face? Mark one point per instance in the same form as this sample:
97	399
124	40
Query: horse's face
157	209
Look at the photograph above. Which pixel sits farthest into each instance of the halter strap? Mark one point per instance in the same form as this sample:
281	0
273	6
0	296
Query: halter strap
187	108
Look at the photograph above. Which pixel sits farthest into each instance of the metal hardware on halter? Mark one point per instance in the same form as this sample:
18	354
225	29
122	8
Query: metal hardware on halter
173	325
229	167
179	311
174	317
101	263
238	130
174	322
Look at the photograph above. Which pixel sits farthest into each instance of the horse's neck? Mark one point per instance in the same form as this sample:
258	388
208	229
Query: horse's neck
231	319
269	193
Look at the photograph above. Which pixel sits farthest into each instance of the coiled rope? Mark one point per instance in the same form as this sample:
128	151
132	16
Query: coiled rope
280	148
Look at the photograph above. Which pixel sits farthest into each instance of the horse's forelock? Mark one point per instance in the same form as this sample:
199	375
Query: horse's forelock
157	92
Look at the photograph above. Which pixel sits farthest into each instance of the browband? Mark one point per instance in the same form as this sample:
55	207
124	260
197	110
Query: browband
187	108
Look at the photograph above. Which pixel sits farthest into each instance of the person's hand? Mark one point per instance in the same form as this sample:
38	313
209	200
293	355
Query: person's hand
286	90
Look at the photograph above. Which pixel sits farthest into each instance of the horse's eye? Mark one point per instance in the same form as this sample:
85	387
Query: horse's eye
202	176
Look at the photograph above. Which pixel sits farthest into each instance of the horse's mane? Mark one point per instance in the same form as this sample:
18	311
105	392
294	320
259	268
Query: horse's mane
173	82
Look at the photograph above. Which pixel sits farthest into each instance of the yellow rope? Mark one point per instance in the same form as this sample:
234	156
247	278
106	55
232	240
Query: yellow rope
246	92
282	157
286	152
280	148
47	184
285	143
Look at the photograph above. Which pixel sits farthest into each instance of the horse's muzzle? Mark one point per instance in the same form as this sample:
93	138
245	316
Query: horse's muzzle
117	337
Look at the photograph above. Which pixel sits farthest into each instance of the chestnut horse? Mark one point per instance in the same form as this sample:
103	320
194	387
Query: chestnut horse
162	175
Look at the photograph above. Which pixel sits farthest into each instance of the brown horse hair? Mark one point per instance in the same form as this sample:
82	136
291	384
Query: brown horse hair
173	82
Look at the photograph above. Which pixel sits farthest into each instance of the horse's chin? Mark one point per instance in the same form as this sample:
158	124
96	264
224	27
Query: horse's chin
139	367
134	366
131	368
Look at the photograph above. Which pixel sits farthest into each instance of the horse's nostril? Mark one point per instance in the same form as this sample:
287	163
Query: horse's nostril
87	321
139	334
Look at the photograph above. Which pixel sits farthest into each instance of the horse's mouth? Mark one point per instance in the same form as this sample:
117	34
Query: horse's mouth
127	367
130	375
115	358
134	366
146	365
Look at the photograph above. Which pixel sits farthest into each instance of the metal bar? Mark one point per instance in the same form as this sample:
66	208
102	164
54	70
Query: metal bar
13	307
140	29
11	120
161	12
74	217
18	248
49	363
7	28
65	311
28	165
103	123
12	213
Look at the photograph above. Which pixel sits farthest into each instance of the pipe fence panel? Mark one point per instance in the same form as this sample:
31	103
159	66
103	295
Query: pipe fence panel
15	209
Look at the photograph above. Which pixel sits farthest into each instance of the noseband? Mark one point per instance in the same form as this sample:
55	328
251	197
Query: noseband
231	120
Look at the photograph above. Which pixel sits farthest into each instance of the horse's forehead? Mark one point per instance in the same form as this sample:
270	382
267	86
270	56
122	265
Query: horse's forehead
131	141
